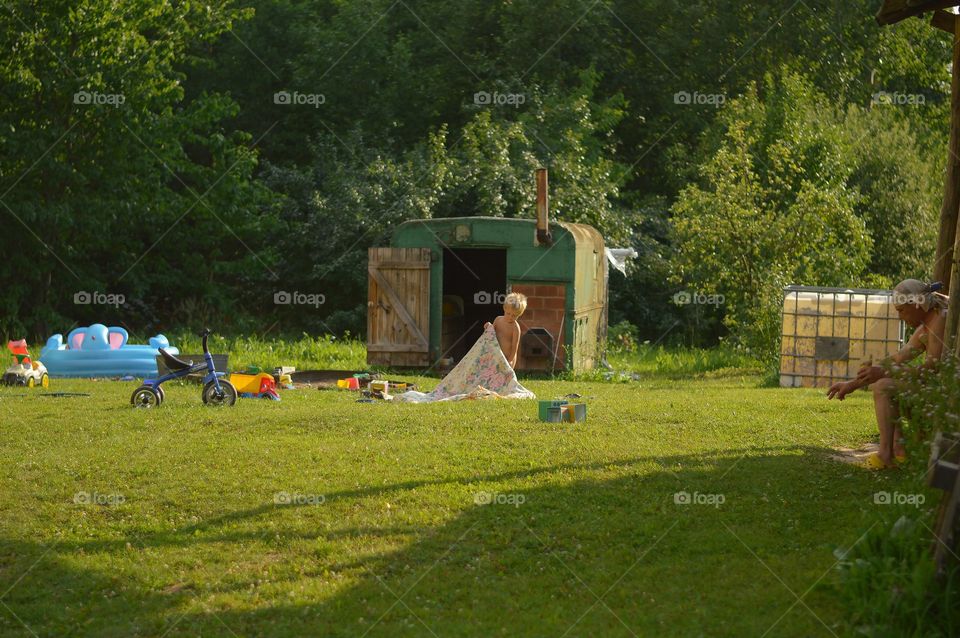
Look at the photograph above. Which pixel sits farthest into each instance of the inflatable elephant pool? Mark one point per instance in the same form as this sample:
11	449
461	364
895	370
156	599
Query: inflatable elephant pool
99	351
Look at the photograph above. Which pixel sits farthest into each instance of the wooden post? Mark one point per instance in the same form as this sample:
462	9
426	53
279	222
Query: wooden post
947	246
943	473
543	208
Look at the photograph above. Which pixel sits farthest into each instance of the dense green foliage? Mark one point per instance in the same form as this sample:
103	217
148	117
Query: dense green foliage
786	194
930	399
262	147
113	181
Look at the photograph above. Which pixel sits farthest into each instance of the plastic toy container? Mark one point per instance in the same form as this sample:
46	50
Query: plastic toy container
569	413
546	406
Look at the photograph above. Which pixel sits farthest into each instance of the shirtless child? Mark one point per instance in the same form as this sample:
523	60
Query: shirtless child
507	328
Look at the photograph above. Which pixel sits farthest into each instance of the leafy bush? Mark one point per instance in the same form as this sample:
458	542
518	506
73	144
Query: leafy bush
930	400
889	582
622	337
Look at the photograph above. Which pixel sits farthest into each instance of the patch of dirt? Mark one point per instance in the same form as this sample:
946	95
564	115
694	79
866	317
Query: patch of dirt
854	455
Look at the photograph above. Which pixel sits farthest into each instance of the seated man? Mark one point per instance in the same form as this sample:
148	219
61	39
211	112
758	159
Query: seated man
926	311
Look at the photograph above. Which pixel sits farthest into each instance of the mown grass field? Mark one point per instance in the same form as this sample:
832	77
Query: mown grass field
320	516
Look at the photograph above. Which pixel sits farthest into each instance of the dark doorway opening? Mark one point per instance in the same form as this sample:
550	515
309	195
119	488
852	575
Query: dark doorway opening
474	285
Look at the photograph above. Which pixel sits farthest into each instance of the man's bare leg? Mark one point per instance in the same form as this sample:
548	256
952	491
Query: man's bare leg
898	449
887	417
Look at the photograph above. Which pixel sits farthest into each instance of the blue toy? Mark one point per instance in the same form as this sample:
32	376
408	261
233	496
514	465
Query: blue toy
99	351
216	391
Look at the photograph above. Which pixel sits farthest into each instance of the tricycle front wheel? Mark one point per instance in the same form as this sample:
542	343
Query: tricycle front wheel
146	397
226	396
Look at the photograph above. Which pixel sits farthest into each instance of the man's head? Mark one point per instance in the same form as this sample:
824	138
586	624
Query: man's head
514	305
913	299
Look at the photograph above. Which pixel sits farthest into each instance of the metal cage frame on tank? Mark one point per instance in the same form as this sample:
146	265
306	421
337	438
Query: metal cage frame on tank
835	350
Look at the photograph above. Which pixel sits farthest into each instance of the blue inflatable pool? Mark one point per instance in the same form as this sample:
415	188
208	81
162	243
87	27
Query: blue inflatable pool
99	351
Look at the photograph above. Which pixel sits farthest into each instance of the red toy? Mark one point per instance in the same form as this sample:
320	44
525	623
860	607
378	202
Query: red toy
24	372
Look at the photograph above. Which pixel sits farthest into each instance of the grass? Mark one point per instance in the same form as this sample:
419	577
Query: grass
682	362
328	352
386	533
307	352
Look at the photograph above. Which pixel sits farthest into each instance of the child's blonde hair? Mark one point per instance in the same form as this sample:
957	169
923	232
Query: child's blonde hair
516	301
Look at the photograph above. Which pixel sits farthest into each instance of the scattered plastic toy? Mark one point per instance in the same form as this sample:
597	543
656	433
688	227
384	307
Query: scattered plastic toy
257	386
25	372
562	411
283	375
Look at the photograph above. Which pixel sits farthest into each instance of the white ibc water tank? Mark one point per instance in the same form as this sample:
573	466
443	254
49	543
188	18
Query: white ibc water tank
827	333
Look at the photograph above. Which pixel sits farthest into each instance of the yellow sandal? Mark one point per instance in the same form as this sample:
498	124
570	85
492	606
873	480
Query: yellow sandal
873	462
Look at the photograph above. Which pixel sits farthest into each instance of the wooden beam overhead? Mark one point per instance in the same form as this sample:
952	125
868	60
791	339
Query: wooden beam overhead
894	11
944	21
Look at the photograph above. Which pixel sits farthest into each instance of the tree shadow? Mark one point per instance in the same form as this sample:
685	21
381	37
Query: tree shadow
718	544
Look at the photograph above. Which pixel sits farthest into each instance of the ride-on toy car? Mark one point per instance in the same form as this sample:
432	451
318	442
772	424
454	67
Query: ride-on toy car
216	390
25	372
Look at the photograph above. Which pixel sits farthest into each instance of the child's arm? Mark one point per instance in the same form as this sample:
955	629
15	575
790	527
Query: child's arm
513	346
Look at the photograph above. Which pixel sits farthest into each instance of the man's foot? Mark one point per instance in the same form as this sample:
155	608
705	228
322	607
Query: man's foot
874	461
899	452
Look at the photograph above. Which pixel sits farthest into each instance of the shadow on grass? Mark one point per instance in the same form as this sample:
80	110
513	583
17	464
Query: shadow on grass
597	556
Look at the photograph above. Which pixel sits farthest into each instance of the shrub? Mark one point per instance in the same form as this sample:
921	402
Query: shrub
889	583
622	337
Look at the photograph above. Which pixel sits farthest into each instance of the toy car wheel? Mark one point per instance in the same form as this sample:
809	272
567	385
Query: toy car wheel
45	380
163	395
227	395
31	382
145	397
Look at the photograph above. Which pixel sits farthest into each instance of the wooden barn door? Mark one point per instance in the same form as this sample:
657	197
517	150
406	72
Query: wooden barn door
398	307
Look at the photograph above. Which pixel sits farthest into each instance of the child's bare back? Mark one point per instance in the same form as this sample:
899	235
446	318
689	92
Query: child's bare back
508	334
507	327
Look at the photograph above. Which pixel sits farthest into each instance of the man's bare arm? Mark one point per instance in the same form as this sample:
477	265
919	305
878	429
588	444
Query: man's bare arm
935	342
869	374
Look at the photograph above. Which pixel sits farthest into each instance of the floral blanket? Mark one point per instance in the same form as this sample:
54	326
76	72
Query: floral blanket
483	373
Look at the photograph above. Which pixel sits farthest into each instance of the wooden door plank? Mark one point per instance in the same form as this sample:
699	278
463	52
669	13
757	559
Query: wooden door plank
397	304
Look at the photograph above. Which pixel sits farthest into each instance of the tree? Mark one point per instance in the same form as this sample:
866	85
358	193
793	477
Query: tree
773	206
355	194
111	180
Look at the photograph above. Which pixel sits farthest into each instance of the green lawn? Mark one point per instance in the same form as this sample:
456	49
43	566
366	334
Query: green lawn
386	537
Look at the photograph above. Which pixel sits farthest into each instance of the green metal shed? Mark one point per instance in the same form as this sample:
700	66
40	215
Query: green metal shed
440	280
